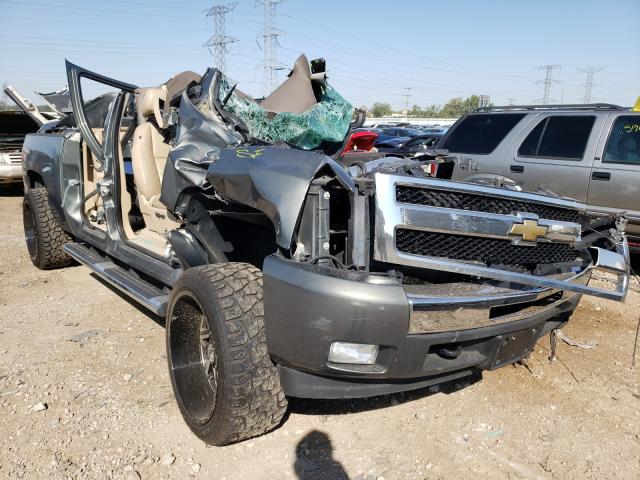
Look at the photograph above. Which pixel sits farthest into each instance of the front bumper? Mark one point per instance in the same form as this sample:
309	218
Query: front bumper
10	173
308	307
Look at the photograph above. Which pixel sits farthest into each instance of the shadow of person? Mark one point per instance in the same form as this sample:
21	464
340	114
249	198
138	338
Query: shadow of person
314	459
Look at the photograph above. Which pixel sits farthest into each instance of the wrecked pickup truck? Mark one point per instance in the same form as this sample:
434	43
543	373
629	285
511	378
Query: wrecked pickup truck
281	269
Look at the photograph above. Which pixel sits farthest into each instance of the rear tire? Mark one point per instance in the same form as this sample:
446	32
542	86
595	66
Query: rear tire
225	383
43	232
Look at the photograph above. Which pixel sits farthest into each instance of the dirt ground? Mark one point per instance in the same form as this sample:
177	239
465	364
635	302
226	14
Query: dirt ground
98	365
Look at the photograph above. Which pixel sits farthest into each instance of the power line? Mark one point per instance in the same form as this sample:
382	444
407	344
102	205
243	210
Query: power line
406	96
270	44
588	86
217	44
396	52
548	81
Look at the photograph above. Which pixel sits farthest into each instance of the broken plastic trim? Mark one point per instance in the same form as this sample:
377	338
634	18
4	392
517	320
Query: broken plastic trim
613	262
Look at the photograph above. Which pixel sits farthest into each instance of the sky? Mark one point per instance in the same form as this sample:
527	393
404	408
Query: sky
374	49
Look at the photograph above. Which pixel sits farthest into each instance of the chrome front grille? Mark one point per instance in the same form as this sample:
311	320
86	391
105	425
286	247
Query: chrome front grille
490	245
426	222
481	203
490	251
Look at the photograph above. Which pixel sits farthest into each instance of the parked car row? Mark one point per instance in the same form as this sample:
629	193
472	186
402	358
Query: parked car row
409	146
407	141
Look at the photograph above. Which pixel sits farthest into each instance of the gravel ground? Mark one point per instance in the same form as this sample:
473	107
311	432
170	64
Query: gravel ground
84	393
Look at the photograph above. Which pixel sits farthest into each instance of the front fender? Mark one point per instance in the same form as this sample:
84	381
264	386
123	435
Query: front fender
273	180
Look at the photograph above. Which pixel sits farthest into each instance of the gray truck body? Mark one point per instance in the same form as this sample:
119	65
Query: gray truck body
444	278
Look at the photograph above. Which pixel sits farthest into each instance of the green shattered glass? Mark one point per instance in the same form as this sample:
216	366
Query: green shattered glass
327	121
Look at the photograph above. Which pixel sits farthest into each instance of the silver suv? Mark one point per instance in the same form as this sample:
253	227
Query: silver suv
590	153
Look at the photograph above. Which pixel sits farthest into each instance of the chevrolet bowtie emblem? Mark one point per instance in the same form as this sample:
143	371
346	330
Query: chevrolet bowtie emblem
529	230
246	153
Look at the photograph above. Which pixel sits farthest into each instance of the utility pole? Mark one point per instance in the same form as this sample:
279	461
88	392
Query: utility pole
217	44
270	45
588	86
406	96
547	81
510	100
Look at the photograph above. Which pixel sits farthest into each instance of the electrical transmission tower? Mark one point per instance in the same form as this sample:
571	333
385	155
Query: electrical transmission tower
217	44
588	86
406	96
548	81
270	45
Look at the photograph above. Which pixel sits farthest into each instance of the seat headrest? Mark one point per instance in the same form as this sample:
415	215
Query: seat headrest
295	95
179	83
148	103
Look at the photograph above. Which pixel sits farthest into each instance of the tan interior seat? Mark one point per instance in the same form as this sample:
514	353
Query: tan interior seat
149	154
177	84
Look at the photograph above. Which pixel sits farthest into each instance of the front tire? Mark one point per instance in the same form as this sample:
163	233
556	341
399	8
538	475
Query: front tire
43	232
224	381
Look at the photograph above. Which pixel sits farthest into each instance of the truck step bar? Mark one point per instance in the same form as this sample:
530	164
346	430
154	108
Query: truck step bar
142	292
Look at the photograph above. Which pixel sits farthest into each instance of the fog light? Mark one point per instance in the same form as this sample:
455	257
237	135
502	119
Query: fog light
354	353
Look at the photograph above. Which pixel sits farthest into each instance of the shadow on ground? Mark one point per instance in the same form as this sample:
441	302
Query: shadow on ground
11	190
304	406
159	320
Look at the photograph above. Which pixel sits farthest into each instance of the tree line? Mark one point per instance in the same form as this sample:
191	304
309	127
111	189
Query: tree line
454	108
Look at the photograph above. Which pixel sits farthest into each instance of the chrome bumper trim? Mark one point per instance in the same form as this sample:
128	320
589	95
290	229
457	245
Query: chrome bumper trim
472	309
10	172
479	224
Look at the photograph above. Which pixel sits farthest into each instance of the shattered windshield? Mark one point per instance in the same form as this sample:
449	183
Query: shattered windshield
325	122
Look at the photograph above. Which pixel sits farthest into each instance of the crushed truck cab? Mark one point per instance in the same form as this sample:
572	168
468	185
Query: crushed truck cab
285	269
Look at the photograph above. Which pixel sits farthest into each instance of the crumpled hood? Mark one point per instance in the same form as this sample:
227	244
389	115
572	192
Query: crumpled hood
273	180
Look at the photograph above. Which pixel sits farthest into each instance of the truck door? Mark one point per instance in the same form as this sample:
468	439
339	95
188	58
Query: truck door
555	154
104	135
615	177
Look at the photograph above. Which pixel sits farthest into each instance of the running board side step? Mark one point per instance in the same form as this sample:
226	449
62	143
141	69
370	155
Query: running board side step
142	292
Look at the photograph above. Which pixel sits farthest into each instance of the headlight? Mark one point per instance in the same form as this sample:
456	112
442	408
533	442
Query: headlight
353	353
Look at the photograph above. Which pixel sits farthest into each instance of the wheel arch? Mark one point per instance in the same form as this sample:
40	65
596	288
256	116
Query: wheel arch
34	179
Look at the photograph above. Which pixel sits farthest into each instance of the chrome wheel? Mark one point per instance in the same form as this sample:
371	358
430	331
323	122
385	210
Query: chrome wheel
208	353
30	233
193	358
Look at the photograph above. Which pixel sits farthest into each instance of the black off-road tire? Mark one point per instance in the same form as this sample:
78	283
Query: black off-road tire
233	393
43	232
